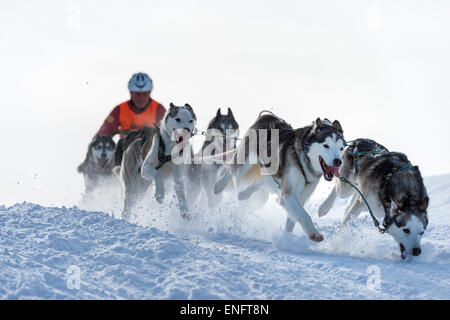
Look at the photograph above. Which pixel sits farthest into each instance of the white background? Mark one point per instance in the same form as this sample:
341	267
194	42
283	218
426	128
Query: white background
380	67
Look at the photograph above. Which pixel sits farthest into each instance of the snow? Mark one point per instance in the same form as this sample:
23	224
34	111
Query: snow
228	253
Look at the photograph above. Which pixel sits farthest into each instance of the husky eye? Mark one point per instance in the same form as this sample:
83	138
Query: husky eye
177	119
326	146
190	121
421	233
342	148
406	231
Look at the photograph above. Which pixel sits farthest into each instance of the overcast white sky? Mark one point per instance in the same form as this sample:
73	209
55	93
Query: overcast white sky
382	68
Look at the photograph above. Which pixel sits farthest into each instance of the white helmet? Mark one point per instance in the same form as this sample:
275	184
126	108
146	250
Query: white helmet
140	82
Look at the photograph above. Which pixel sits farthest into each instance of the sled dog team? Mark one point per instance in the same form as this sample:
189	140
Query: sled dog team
271	157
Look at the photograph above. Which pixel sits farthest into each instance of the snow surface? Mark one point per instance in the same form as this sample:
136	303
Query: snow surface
227	253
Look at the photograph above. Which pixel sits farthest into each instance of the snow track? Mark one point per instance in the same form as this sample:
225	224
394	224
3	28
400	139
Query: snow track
40	246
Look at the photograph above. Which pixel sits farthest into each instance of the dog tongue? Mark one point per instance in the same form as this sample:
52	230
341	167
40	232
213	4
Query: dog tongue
335	171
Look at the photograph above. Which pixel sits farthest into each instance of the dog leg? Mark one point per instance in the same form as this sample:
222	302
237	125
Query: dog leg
234	170
292	196
290	224
134	193
129	204
297	213
344	190
328	203
354	209
180	190
247	193
194	175
149	171
223	181
131	180
208	185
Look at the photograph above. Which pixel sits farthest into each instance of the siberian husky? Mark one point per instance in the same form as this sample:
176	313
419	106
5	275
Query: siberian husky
393	188
150	159
221	136
97	166
290	166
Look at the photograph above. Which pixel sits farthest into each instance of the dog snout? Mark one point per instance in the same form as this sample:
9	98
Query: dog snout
337	162
416	251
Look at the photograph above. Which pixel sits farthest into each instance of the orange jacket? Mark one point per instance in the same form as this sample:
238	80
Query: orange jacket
129	120
127	117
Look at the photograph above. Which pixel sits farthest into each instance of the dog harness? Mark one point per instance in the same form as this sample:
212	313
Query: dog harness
357	156
162	157
403	165
398	165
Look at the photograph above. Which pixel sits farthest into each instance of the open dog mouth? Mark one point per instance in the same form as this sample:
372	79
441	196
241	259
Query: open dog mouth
102	162
181	137
328	172
402	251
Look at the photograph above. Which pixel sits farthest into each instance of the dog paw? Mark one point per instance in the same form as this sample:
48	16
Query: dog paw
220	185
186	216
185	212
243	196
317	237
126	215
218	188
159	197
323	210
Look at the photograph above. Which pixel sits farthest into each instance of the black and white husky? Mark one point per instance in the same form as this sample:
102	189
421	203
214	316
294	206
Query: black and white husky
221	136
154	157
393	188
288	161
98	164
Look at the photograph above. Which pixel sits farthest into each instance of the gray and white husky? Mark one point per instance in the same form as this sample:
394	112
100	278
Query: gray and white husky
98	164
221	136
150	159
393	188
300	156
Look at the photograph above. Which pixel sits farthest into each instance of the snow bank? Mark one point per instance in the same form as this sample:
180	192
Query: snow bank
70	253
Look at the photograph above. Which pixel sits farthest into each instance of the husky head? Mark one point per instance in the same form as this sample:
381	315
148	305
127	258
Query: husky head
224	126
324	146
179	123
407	219
100	153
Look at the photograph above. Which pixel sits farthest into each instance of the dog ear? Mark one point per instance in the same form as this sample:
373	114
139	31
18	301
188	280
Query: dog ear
187	106
230	113
218	113
424	204
394	208
319	123
172	105
337	126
